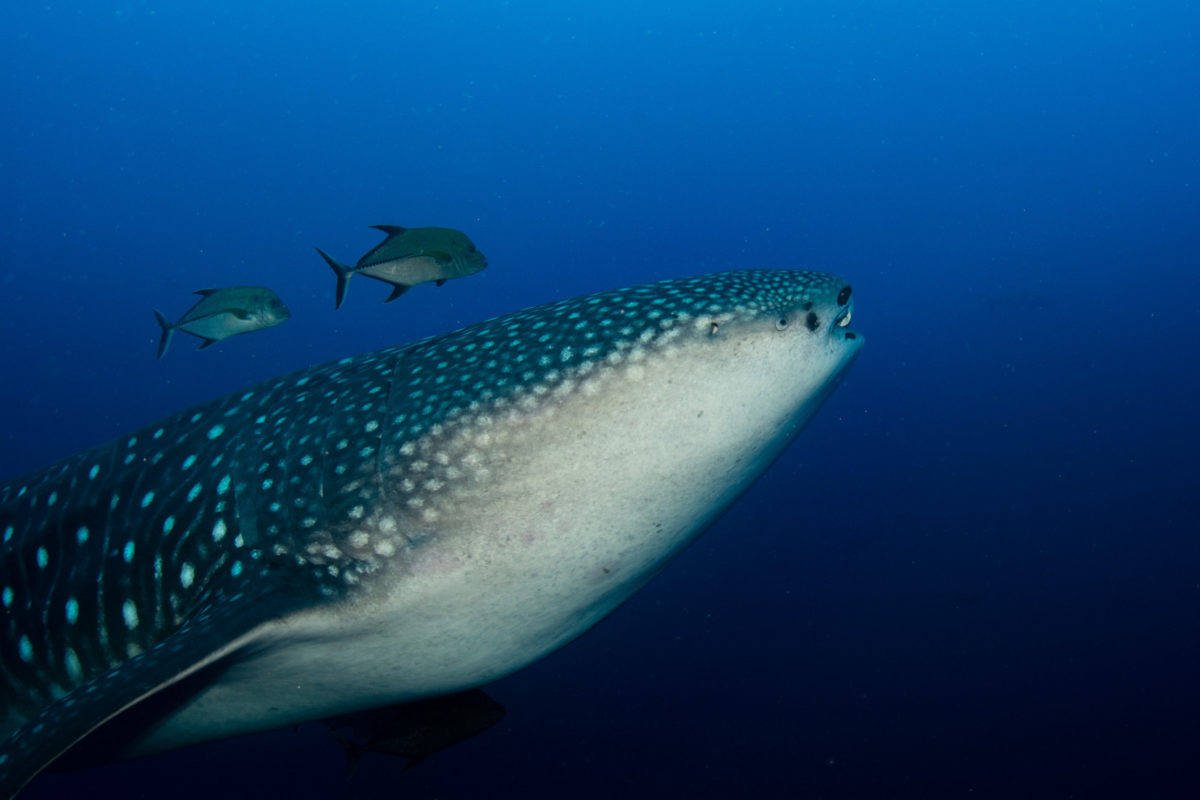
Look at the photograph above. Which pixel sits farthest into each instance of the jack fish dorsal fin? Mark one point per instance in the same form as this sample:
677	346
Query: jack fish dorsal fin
220	626
385	249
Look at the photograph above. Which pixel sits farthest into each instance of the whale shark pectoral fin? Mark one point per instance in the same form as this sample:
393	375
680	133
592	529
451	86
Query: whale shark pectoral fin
216	630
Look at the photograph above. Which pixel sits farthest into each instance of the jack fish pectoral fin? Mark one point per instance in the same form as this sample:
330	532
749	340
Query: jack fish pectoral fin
216	630
397	290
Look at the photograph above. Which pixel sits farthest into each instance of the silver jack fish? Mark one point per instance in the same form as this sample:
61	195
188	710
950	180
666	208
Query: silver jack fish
222	313
409	256
408	523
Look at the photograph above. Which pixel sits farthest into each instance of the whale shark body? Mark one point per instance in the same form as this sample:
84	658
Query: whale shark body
400	525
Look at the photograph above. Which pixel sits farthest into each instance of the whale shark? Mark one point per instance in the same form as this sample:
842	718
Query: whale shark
400	525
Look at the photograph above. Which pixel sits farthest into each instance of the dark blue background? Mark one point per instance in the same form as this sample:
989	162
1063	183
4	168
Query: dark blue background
977	574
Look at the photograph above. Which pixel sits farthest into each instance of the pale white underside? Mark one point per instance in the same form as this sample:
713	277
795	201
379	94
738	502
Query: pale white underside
408	271
589	498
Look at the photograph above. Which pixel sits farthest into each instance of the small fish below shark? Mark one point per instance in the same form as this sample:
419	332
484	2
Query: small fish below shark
397	526
409	256
414	731
221	313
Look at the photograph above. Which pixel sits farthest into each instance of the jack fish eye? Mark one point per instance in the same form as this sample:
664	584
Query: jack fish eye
843	296
781	323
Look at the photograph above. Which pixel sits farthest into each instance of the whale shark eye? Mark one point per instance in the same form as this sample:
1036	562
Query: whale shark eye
781	323
843	296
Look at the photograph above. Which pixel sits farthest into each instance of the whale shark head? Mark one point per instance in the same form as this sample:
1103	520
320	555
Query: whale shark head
550	462
634	384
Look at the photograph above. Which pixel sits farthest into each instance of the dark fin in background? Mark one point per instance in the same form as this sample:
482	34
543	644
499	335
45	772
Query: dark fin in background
215	630
354	753
390	230
343	276
397	290
205	292
167	330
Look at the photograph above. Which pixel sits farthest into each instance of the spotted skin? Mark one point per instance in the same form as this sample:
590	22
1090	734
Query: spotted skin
411	521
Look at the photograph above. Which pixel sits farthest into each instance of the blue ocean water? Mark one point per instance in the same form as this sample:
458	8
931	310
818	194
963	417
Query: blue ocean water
976	574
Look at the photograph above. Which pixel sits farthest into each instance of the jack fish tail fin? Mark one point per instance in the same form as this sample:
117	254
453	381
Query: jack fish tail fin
167	330
343	273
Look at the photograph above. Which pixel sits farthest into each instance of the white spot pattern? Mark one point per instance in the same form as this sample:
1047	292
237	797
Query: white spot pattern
129	613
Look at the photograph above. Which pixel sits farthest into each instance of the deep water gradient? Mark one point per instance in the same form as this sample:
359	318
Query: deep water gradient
976	574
